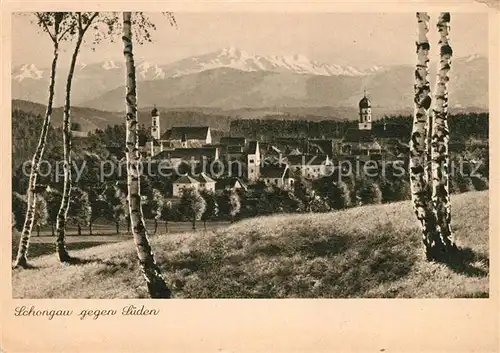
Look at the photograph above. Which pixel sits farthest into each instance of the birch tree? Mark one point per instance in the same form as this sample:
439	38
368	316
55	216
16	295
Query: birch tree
430	187
82	22
418	146
56	25
440	158
155	282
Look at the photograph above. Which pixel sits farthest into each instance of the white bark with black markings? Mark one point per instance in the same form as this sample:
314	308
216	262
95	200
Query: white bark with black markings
440	159
22	253
66	196
156	284
418	143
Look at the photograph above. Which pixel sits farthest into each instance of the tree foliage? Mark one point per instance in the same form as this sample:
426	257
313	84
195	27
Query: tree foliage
79	212
192	205
212	206
462	125
369	193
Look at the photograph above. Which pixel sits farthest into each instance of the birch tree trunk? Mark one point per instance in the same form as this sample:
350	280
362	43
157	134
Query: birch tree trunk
62	215
22	254
65	200
418	146
428	153
156	284
440	158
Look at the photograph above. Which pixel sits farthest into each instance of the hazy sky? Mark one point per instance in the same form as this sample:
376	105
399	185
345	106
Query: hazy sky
361	40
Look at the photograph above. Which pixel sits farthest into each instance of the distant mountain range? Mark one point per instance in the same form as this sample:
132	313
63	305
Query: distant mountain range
231	79
241	60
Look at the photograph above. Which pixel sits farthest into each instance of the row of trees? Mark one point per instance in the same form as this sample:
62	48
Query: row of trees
463	125
72	27
111	206
108	203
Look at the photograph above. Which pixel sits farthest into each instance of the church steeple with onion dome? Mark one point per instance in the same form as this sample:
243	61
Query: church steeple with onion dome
365	113
155	123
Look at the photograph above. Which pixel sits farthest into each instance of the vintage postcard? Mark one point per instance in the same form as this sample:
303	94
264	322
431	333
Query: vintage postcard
230	177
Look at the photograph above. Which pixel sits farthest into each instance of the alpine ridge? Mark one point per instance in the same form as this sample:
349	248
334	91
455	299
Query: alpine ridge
231	78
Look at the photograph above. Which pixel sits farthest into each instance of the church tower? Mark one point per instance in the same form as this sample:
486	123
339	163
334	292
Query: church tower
155	124
365	114
184	140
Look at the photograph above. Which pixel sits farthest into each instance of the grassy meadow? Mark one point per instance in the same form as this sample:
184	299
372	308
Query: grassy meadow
370	251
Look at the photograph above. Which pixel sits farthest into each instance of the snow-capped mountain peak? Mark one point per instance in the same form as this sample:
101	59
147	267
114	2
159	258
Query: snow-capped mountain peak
109	65
374	69
147	70
235	58
472	57
27	71
231	51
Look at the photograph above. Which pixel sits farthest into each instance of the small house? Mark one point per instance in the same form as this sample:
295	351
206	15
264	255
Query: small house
278	175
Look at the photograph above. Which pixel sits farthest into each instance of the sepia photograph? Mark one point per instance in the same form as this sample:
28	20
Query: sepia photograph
243	155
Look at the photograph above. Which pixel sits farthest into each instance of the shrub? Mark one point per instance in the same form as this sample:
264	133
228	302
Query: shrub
369	193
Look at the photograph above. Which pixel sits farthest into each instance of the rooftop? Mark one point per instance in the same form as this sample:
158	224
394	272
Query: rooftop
228	183
186	132
203	178
307	160
356	135
186	179
252	147
194	179
273	171
233	141
365	103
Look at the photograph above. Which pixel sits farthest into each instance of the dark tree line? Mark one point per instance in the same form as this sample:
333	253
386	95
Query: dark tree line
462	126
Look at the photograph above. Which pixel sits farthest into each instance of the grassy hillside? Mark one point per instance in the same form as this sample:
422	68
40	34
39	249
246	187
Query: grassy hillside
372	251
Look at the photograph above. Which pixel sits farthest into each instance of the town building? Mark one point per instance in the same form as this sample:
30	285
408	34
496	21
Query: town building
230	184
199	182
321	147
233	141
206	183
279	176
201	155
253	161
309	166
365	114
177	136
361	141
154	145
186	137
182	183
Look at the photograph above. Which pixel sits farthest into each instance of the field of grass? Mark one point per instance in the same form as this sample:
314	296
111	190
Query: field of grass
102	234
370	251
